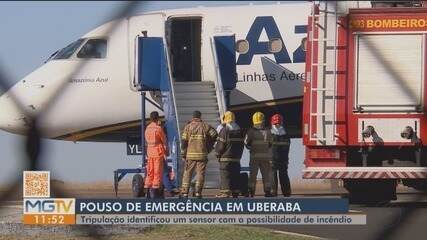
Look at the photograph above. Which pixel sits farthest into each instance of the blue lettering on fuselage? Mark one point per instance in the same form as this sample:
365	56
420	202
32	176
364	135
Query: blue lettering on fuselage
268	24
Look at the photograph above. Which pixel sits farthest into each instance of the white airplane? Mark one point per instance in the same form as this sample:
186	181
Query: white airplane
100	102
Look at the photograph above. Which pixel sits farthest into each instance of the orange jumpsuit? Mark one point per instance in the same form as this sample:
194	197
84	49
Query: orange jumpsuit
155	140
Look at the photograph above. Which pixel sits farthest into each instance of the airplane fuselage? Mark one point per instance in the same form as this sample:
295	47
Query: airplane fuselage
98	99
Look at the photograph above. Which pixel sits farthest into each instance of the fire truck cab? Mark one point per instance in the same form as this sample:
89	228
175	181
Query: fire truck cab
365	98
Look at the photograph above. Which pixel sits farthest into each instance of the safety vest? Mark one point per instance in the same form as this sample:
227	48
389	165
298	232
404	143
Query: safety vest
155	140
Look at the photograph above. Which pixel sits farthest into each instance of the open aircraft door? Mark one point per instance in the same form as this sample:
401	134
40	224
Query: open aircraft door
150	74
150	25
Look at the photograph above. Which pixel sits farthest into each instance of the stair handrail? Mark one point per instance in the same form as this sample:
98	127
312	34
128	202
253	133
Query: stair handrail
220	94
172	91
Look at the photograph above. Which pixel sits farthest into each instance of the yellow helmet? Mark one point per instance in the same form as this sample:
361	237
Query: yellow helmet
229	117
258	118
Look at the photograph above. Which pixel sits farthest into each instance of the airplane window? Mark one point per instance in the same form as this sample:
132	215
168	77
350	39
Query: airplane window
94	48
275	45
242	46
69	50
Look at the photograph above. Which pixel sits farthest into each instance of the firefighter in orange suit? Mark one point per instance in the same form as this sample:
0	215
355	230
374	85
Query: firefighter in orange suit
156	146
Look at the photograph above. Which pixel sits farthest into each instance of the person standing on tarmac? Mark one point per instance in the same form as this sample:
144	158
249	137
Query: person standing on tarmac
229	149
157	150
258	141
280	150
198	138
168	181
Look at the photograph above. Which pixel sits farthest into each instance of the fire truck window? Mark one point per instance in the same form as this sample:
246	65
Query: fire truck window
389	72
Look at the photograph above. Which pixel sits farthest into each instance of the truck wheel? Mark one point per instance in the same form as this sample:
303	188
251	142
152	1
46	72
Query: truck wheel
137	185
417	184
243	184
370	191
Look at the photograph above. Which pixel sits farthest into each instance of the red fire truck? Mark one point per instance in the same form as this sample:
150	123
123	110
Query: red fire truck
365	98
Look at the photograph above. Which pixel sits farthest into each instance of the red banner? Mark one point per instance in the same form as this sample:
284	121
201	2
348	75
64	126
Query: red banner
388	23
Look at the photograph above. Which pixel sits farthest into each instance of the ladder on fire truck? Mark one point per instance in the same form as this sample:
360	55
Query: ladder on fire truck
324	70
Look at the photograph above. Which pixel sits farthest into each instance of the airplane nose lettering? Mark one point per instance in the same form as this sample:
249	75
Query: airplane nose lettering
11	118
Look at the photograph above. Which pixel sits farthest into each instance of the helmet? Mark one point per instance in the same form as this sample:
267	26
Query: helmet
276	119
258	118
229	117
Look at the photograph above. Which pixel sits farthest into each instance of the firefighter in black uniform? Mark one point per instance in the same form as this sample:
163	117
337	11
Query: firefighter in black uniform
280	152
229	149
258	142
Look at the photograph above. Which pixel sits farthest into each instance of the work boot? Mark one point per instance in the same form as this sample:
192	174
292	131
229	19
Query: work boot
198	195
222	195
161	193
147	193
153	193
235	194
169	194
268	194
287	194
175	191
183	195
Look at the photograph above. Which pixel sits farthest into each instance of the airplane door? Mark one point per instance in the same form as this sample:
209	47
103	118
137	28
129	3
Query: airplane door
151	25
185	43
226	60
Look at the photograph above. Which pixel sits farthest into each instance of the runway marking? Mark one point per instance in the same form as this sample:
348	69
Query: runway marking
297	234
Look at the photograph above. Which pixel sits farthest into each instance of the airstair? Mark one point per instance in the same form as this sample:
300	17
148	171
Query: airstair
181	99
201	96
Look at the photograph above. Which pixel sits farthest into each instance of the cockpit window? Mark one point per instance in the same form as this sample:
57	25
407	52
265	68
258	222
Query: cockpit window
94	48
68	50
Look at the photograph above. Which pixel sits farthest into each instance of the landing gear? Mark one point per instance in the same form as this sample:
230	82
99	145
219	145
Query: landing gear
370	191
138	185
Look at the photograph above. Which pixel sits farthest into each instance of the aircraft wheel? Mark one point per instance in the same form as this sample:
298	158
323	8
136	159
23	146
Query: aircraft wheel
138	185
370	191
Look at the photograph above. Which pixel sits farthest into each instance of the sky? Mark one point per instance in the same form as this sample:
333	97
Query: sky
30	33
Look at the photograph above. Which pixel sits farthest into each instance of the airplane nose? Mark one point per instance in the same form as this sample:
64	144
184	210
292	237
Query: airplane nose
11	118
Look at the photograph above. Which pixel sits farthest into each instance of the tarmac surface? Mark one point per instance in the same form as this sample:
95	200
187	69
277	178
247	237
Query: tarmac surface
407	217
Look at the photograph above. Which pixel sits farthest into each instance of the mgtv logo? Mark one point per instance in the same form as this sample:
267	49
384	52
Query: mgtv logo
49	206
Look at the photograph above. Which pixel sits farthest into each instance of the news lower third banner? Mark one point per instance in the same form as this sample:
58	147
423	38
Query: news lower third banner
295	211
